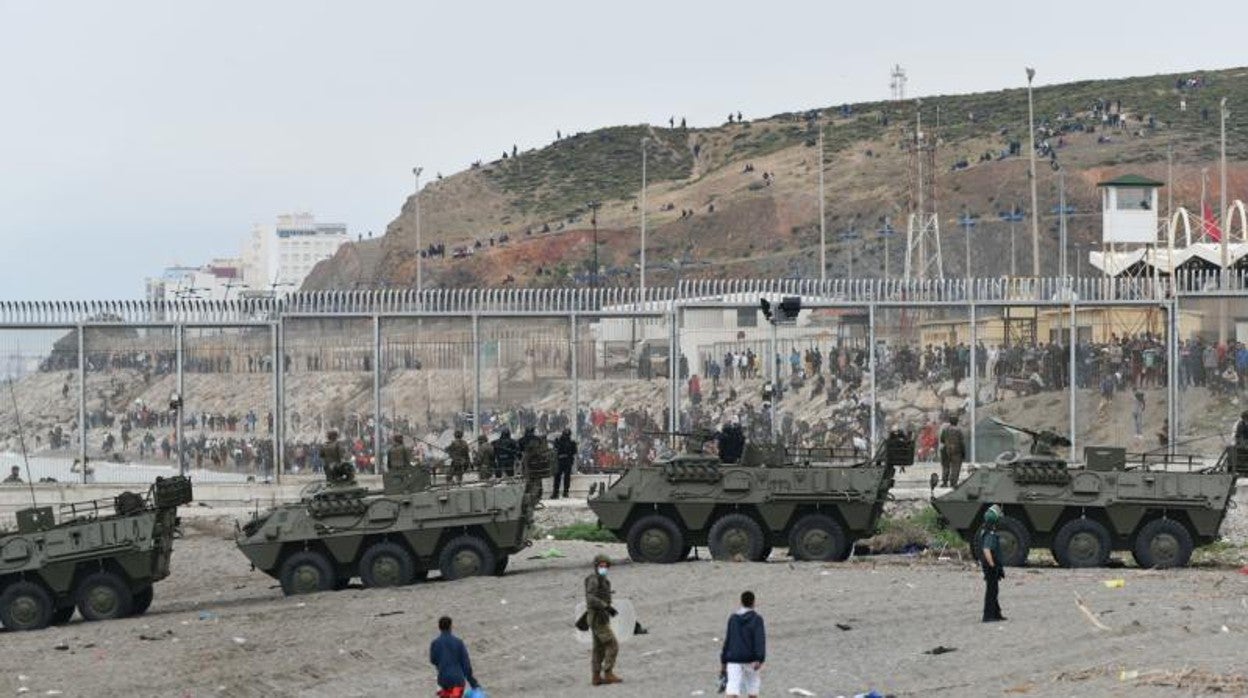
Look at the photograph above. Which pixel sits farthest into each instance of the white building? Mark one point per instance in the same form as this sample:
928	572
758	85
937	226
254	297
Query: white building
220	279
279	257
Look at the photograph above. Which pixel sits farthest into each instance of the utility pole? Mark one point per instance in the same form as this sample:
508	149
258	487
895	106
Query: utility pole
1061	218
1226	262
1031	147
593	213
644	142
420	249
823	235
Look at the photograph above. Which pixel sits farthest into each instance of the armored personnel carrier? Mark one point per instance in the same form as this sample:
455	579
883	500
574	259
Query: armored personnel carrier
816	502
103	556
390	537
1159	507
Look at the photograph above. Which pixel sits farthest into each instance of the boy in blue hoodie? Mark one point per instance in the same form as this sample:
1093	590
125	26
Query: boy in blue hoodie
450	656
745	650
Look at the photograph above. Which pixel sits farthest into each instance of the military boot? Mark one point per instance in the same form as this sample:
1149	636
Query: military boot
597	680
610	677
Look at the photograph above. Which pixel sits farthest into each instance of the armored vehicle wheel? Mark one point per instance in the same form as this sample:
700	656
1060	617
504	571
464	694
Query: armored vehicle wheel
1163	543
817	537
143	600
655	538
466	556
387	564
306	572
62	615
1082	543
1015	541
736	536
104	595
25	606
500	567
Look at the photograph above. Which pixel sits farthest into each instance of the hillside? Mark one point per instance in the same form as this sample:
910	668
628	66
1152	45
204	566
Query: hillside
741	199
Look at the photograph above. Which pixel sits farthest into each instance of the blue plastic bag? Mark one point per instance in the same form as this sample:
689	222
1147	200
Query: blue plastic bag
476	693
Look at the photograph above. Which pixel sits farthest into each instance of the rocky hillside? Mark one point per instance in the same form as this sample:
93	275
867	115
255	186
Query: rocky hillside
741	199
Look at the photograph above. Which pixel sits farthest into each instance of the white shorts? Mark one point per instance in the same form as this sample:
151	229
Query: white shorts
743	680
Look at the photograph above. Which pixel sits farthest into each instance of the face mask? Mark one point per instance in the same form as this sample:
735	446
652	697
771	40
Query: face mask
602	571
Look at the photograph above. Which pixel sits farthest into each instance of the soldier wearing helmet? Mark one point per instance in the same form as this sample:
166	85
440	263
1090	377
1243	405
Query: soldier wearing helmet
460	458
991	563
598	612
338	469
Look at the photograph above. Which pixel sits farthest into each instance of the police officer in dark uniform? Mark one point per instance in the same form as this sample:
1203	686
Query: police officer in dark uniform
565	457
991	563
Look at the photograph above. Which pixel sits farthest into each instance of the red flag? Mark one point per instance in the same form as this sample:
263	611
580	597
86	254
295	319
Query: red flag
1211	228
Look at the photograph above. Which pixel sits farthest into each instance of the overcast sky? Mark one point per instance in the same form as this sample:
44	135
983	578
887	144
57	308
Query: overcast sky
135	135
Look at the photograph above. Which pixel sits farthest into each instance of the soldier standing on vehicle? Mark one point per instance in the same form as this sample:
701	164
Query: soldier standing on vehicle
565	457
506	453
337	470
399	455
460	458
598	611
990	561
536	464
952	453
486	468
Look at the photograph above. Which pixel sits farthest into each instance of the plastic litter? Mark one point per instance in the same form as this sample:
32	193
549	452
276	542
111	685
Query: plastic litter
240	640
800	692
207	615
869	694
1128	674
550	554
1114	583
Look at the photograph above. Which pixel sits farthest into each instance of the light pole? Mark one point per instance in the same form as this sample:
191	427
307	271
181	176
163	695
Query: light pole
1222	198
644	142
848	237
886	232
1013	217
1031	147
420	250
823	236
593	219
1061	221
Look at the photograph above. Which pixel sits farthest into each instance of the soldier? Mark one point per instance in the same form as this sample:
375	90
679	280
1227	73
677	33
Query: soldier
536	464
952	453
337	469
990	561
458	453
15	476
399	455
565	456
598	612
506	453
485	459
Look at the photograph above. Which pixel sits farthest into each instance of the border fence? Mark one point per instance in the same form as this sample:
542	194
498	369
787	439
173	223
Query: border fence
1144	363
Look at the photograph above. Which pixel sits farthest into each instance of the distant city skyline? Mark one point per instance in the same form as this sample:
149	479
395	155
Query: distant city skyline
140	135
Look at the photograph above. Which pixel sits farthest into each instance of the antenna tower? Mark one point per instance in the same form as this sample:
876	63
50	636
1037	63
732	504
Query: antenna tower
897	83
923	259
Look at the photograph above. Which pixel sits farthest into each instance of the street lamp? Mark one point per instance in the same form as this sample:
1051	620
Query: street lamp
644	142
593	219
848	236
1031	147
1013	217
419	248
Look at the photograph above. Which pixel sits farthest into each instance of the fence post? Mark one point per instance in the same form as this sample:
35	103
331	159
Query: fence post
974	375
576	377
1071	388
279	402
476	373
82	400
178	336
871	364
377	464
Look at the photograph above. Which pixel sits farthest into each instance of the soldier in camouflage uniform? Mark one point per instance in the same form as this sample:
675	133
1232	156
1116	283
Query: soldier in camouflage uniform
338	470
460	458
485	458
536	463
399	455
598	612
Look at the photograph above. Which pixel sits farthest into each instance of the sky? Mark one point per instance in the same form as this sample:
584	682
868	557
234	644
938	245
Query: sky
139	134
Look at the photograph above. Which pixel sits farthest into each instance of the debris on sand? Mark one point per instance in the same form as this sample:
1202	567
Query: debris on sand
1087	613
940	649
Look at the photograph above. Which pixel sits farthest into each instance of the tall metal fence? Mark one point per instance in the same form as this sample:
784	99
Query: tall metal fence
1143	363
